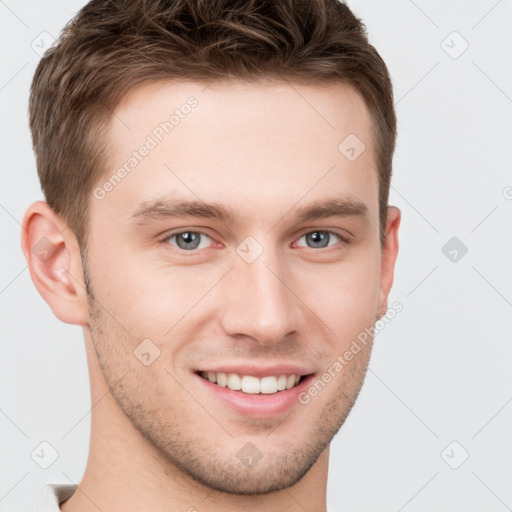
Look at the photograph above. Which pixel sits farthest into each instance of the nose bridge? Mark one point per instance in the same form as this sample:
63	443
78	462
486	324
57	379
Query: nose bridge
259	304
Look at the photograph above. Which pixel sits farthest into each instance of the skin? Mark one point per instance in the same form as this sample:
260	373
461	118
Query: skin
158	441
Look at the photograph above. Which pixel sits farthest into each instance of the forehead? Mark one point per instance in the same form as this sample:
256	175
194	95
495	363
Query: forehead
245	144
251	105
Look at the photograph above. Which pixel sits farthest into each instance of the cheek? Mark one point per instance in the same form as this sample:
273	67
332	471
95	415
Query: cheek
149	297
347	301
121	284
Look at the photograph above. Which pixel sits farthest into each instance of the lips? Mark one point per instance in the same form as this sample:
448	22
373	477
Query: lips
255	405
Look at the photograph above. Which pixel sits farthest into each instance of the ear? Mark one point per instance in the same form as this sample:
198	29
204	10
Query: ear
54	262
389	255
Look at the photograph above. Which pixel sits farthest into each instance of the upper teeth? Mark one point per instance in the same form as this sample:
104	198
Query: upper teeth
250	384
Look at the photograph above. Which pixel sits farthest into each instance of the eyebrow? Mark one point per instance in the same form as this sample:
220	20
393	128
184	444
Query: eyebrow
166	208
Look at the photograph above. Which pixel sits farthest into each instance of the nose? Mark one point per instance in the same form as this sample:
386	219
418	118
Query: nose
260	302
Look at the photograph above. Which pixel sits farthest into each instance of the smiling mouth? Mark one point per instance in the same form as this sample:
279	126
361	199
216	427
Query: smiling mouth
250	384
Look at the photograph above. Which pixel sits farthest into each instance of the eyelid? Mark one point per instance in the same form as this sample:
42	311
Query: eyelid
342	233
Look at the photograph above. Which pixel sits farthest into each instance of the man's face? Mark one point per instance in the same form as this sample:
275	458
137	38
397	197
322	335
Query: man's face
263	289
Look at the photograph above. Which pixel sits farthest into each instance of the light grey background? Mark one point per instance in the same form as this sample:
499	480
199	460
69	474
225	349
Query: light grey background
440	371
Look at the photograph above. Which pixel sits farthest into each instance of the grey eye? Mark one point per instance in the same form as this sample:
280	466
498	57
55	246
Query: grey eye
188	240
319	239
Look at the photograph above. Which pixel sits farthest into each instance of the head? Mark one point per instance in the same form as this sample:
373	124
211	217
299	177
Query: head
216	177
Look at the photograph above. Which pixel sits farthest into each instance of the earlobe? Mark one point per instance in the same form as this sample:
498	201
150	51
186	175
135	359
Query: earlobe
389	256
54	262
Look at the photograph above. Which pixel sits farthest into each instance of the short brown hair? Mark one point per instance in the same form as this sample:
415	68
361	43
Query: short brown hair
112	45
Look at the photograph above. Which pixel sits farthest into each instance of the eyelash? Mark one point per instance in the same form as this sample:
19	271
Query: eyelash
168	236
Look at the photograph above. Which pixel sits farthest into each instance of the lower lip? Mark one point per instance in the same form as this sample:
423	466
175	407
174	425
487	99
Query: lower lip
258	405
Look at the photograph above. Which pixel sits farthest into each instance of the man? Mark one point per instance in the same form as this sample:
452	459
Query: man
217	177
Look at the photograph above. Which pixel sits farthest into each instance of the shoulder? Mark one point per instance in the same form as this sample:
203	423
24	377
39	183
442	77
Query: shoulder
53	495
